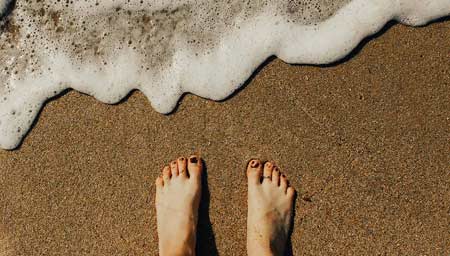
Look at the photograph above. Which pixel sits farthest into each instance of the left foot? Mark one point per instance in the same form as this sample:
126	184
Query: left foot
178	193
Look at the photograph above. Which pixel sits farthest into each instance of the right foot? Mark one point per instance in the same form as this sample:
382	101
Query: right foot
270	206
178	192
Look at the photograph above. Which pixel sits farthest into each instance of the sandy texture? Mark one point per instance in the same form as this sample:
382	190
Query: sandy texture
365	142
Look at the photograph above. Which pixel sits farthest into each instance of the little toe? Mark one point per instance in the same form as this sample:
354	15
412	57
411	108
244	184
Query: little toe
283	182
166	174
159	183
182	171
267	174
174	168
195	167
276	176
254	171
290	192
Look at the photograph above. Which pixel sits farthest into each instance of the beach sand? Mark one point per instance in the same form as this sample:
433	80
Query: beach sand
365	142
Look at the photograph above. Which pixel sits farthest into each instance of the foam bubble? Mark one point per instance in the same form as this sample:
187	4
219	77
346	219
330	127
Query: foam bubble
167	48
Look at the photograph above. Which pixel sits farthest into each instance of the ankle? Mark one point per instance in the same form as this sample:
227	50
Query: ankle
264	249
183	250
260	251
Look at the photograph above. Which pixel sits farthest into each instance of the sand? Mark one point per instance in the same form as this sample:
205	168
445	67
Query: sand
365	142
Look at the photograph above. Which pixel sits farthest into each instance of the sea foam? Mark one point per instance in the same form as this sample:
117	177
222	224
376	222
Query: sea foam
167	48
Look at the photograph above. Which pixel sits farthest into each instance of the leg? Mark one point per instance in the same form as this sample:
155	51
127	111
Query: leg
270	205
178	193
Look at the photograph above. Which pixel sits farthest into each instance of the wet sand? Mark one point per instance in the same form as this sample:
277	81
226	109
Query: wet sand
365	142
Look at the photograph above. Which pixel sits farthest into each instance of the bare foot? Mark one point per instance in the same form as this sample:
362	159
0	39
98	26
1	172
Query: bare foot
270	204
178	193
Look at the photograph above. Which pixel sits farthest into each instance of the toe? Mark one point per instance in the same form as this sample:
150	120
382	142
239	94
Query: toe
290	192
182	171
254	171
159	183
283	182
267	174
276	176
195	167
174	168
166	174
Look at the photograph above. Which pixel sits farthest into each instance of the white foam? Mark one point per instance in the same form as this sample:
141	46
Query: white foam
167	48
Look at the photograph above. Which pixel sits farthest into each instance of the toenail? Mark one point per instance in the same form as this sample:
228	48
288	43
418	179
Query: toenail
254	164
269	164
193	160
182	159
276	169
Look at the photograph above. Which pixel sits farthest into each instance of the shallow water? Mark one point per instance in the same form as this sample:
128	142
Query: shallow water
167	48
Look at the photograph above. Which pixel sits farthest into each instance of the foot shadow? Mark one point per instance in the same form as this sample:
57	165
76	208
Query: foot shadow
289	251
206	241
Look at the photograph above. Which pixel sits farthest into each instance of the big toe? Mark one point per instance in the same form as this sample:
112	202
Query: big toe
254	171
195	167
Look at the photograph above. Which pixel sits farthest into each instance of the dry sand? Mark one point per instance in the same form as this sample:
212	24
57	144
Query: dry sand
365	142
